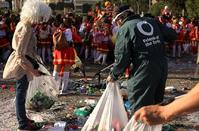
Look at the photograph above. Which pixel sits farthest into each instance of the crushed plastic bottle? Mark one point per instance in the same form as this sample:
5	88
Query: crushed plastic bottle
82	89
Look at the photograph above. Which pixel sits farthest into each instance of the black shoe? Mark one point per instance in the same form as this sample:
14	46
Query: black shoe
30	127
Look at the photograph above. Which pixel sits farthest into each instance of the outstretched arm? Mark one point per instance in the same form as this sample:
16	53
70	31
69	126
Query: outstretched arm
156	114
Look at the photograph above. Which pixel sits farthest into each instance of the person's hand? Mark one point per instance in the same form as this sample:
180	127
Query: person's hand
151	115
109	79
36	73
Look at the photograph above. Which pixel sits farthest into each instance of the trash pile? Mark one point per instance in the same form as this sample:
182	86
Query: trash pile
81	114
74	120
89	87
88	114
84	88
10	88
100	115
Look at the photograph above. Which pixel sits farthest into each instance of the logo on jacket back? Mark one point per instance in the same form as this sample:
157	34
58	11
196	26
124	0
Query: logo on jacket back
140	28
150	39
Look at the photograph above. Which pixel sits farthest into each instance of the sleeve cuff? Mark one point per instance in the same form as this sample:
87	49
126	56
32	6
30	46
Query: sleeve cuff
113	76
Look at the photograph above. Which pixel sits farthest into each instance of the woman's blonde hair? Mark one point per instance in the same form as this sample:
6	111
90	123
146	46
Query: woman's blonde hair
35	11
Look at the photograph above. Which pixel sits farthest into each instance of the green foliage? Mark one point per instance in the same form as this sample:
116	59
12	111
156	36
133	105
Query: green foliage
176	6
3	10
40	101
6	10
192	7
137	5
157	7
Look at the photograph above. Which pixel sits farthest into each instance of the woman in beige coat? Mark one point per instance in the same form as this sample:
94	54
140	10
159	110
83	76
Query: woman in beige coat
19	65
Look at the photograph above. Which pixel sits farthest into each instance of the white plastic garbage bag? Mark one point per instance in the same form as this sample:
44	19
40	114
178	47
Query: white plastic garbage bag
78	62
42	91
138	126
109	112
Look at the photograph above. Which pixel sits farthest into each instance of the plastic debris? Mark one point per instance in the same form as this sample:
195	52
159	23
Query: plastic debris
37	118
12	89
90	101
167	128
4	86
84	111
170	88
60	124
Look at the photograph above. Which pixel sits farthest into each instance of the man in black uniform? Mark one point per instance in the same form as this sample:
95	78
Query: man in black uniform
140	41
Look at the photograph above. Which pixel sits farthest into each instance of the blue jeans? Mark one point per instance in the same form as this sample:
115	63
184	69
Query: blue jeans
21	90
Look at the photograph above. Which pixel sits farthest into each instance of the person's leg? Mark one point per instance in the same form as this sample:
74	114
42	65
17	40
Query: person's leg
65	78
39	51
142	86
1	55
179	50
82	50
193	46
6	53
174	49
21	89
97	54
94	55
86	53
24	122
49	54
56	75
44	54
196	72
99	58
82	69
104	59
160	90
78	48
186	46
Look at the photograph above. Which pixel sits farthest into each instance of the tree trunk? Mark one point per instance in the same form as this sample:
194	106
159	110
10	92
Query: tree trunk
150	3
138	7
17	5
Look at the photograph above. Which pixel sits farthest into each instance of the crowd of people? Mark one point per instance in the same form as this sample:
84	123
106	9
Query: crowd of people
187	32
93	35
